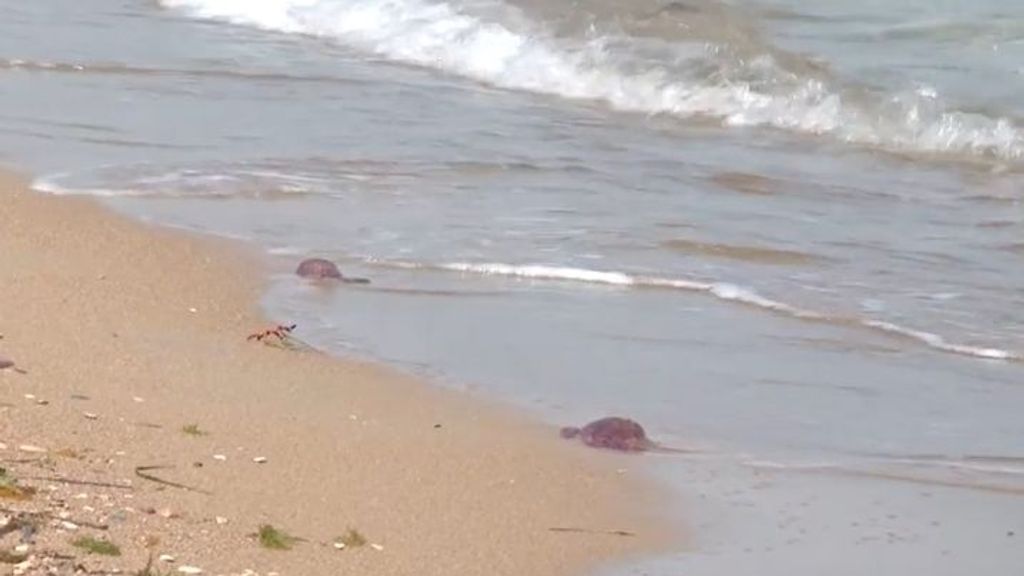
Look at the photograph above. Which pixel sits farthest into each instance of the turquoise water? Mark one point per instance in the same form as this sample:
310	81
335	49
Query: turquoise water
787	235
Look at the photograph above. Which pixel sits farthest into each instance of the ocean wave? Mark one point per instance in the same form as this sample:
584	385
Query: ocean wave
181	185
721	290
273	178
114	68
662	76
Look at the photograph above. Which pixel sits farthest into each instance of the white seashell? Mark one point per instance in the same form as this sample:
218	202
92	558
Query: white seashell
166	558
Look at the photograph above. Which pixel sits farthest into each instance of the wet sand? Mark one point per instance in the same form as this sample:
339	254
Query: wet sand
133	343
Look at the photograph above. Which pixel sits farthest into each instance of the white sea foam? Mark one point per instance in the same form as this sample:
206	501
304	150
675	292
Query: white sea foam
721	290
51	186
468	40
545	272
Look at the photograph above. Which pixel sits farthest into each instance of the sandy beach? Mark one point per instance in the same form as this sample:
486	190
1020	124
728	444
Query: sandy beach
139	414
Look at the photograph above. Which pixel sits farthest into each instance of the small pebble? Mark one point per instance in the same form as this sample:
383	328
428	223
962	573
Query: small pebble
166	558
190	570
377	547
68	525
31	448
42	402
220	457
260	459
21	548
30	396
90	415
137	399
167	513
339	545
221	520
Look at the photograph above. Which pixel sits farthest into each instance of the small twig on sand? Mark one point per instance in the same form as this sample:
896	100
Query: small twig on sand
22	460
78	482
588	531
140	471
45	514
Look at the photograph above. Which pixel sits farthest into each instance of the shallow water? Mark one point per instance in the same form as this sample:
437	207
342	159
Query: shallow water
772	232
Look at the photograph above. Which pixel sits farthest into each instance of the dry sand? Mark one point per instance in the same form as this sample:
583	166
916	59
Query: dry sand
127	334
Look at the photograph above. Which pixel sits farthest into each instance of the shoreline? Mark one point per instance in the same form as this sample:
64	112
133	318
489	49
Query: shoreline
133	340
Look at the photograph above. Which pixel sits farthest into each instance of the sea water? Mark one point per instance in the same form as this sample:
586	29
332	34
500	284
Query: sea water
787	236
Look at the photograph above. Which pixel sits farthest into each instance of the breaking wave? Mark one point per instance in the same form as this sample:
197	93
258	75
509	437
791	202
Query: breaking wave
494	43
720	290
